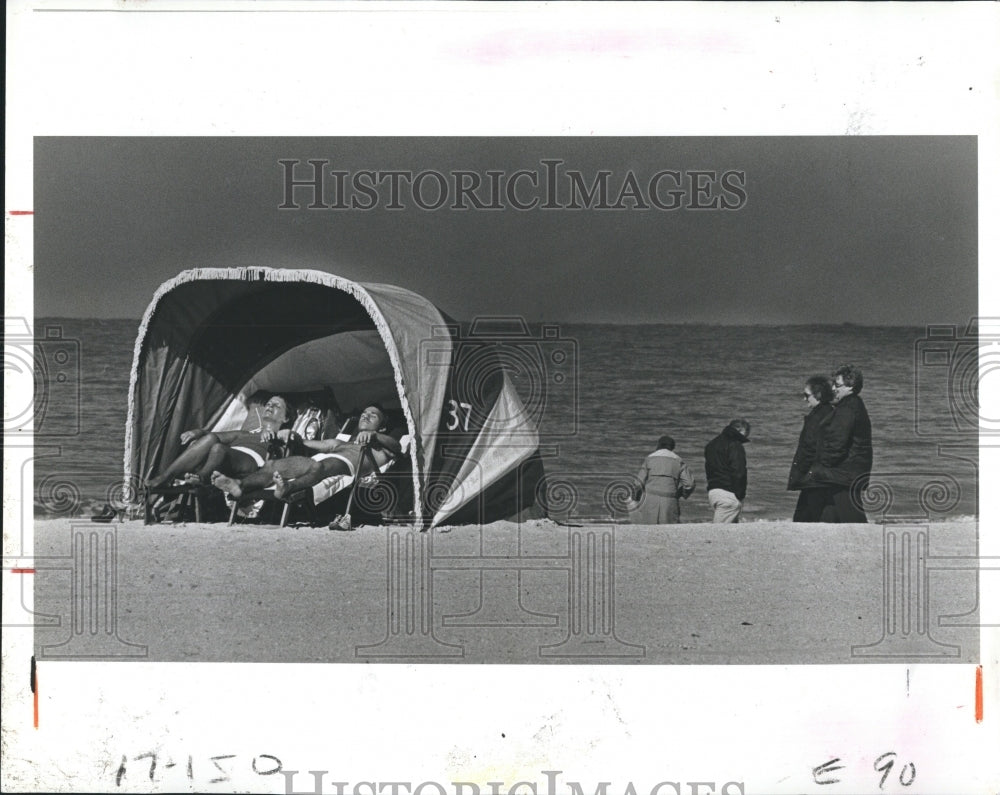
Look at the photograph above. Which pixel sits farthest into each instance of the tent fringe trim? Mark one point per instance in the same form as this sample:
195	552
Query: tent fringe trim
252	273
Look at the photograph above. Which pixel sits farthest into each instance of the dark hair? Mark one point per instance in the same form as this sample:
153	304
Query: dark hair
290	412
741	426
381	410
820	388
852	377
666	442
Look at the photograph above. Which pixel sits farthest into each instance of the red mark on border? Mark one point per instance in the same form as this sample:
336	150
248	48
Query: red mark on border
22	571
979	694
21	212
34	686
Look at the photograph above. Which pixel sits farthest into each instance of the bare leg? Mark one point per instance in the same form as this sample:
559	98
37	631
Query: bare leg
295	473
227	484
291	474
213	461
237	487
258	479
188	461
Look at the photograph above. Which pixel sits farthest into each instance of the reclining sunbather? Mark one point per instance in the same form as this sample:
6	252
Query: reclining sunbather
233	452
333	457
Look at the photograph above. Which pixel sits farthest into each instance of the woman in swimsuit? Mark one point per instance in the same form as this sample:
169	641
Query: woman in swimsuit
235	452
333	457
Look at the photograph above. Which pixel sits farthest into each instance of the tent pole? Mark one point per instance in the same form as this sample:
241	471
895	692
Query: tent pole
343	522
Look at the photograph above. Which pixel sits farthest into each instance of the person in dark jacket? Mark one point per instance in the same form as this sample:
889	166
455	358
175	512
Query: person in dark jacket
664	479
813	497
726	471
845	458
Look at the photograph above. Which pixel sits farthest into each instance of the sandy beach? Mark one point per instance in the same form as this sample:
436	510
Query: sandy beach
539	592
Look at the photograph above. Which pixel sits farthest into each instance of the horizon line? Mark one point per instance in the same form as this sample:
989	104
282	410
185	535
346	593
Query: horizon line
732	324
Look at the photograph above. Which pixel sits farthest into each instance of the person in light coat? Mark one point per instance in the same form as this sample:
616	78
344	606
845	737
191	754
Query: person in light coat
664	479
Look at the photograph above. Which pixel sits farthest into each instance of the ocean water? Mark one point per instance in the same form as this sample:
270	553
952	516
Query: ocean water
617	390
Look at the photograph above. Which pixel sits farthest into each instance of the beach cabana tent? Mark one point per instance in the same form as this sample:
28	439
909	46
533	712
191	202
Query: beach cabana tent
211	338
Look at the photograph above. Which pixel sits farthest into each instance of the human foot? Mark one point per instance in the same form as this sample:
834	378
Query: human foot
227	484
281	486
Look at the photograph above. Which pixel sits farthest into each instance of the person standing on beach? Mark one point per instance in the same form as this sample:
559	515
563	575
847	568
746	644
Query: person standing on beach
813	497
845	458
663	479
726	471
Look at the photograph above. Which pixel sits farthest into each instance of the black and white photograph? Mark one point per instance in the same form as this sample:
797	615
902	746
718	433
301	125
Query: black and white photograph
584	381
331	430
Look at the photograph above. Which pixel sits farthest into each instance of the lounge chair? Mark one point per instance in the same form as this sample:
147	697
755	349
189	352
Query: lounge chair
157	499
310	499
178	498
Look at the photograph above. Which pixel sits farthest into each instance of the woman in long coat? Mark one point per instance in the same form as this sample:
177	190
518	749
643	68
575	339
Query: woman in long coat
845	461
663	479
813	497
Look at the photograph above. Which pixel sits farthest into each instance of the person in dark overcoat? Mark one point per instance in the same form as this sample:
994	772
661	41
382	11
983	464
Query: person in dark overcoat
813	497
845	458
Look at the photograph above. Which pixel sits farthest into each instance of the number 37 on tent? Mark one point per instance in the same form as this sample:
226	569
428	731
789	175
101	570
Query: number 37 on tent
211	338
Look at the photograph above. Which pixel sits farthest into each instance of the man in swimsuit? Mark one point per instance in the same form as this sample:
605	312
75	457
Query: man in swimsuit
235	452
333	457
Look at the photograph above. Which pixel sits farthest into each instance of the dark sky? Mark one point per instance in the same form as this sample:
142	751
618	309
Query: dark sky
871	230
